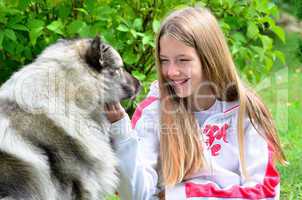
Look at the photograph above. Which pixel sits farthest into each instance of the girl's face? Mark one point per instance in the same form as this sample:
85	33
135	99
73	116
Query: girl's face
180	66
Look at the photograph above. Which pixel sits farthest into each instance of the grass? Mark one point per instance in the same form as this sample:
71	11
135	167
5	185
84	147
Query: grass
283	95
284	101
292	140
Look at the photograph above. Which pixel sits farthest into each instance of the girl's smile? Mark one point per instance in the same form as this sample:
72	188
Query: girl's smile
180	83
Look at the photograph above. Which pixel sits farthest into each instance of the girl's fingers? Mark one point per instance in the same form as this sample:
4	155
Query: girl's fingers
111	106
106	107
114	107
114	111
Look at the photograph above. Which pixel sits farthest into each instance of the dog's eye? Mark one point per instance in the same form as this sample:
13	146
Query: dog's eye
115	72
105	48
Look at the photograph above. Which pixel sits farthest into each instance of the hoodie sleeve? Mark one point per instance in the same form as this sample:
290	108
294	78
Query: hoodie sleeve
137	145
262	181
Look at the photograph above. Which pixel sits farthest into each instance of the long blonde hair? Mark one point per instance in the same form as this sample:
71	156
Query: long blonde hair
180	149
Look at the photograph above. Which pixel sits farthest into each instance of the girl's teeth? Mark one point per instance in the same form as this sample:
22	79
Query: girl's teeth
179	82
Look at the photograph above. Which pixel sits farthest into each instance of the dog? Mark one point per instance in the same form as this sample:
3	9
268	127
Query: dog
54	136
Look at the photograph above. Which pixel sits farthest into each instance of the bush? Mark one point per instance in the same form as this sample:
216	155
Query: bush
292	6
28	26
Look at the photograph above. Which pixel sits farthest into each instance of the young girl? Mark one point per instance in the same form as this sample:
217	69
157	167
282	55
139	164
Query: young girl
200	134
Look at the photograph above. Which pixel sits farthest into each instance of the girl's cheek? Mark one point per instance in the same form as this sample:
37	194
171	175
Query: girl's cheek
187	70
164	71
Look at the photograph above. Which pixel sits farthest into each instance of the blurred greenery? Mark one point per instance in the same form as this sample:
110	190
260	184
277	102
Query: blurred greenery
292	6
261	50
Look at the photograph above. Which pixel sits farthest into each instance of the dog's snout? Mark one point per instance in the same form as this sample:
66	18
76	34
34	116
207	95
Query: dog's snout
132	86
137	85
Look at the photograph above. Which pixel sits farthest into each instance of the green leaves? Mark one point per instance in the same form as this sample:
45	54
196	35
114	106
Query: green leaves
155	25
1	39
122	28
82	10
252	30
57	27
279	32
280	56
138	24
267	42
35	30
19	27
10	34
148	39
76	26
129	57
140	76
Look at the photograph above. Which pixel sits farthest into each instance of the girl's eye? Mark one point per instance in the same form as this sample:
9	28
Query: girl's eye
163	61
184	60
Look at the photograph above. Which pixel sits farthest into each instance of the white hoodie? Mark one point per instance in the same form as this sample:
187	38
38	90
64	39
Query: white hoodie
137	146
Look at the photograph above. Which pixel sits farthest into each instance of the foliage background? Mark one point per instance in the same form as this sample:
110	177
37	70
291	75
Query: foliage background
256	42
28	26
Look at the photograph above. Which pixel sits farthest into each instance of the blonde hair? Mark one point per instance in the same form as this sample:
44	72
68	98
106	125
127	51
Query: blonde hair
180	148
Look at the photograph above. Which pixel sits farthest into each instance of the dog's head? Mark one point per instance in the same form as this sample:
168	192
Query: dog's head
114	82
85	73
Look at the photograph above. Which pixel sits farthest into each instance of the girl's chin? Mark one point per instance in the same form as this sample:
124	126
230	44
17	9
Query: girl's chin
182	94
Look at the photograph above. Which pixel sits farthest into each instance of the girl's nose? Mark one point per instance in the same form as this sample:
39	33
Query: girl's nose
173	70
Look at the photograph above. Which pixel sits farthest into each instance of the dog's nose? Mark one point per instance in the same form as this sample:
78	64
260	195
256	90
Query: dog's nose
131	86
137	85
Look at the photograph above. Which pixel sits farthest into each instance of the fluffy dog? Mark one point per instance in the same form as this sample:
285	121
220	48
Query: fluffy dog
54	141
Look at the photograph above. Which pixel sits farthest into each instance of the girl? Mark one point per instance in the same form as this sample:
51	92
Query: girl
200	134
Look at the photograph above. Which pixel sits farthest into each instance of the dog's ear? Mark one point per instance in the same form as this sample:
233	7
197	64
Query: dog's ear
94	54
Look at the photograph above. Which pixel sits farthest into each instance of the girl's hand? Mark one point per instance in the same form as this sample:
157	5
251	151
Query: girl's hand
161	195
114	112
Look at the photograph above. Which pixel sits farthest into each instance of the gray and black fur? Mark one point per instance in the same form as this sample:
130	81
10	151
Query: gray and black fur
54	138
